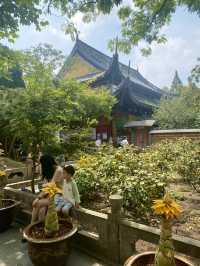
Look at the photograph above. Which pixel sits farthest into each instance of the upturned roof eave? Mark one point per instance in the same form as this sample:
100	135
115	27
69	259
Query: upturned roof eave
105	62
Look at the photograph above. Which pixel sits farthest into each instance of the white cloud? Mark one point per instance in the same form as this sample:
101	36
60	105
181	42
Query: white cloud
86	30
177	54
180	52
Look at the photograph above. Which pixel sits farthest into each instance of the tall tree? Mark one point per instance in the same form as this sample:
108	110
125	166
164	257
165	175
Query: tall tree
10	72
195	74
180	111
37	113
35	65
39	64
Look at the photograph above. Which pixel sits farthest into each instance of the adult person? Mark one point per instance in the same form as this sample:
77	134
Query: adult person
50	172
124	142
98	142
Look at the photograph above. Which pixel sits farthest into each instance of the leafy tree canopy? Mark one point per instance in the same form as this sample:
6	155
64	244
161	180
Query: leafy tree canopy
195	74
10	73
181	111
141	20
36	113
37	65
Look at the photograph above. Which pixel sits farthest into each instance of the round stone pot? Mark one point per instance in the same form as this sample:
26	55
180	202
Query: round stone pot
147	259
8	209
49	251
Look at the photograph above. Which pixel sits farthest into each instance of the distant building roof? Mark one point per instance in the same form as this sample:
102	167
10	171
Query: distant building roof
172	131
102	63
135	95
142	123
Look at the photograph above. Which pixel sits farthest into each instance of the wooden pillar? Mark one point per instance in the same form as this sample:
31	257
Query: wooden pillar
114	131
129	135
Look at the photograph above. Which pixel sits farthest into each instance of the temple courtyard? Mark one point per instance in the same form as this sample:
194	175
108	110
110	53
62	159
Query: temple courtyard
14	253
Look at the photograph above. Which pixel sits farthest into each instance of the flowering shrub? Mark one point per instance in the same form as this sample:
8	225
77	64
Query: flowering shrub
181	156
139	176
121	171
188	163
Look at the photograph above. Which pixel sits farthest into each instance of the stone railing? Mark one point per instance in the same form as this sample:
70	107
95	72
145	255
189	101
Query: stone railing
17	174
106	236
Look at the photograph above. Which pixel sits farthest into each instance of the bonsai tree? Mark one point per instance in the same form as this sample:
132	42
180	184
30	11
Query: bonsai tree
51	219
169	210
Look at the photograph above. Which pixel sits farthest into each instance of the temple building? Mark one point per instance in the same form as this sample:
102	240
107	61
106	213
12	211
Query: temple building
136	96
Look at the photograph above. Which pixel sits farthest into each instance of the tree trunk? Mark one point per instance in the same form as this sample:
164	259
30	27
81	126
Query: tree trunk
33	176
114	132
10	151
6	146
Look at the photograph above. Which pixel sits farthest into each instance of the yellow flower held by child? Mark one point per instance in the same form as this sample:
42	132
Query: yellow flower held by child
51	189
2	173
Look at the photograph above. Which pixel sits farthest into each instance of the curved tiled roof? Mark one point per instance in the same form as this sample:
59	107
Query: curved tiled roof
102	62
134	98
134	93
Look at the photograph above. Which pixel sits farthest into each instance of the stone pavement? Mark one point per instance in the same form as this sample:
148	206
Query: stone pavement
14	253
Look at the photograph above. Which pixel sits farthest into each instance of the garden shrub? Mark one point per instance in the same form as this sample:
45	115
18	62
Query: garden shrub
180	157
188	163
140	176
123	171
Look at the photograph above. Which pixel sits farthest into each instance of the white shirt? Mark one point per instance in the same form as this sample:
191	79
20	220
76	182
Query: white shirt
70	191
98	142
124	142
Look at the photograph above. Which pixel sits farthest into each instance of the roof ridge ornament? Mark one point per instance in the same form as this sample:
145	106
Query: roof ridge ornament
116	45
129	67
77	37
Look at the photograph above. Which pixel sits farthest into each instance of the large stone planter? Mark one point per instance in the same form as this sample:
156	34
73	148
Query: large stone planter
49	251
7	213
147	259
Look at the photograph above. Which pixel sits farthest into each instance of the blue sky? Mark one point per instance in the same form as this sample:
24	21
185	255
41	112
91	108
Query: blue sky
179	53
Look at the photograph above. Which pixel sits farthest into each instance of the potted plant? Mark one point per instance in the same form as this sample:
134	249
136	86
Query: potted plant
8	207
169	210
49	242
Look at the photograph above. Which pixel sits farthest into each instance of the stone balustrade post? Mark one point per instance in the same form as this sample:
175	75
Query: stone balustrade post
113	228
29	165
3	182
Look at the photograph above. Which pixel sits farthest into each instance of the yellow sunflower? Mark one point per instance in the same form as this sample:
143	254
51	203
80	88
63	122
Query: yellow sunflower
167	207
51	189
2	173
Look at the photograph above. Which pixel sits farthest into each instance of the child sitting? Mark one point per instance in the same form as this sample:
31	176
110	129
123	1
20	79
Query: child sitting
63	202
62	206
70	189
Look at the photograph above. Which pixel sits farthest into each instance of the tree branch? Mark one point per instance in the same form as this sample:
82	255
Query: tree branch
87	3
49	6
158	11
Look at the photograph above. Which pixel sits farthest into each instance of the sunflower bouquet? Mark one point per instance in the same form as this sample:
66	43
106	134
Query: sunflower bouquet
2	173
51	219
169	210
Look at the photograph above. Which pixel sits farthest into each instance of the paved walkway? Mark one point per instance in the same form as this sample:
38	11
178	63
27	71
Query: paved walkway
14	253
